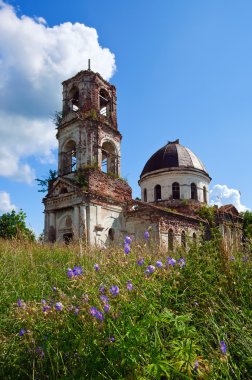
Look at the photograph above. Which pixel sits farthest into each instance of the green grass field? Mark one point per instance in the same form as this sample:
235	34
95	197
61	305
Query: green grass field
189	319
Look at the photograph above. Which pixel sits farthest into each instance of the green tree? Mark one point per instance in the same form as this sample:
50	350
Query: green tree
247	223
44	183
12	225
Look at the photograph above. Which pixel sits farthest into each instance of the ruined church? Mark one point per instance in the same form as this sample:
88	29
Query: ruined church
89	199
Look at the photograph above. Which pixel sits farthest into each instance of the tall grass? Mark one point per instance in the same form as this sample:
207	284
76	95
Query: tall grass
168	324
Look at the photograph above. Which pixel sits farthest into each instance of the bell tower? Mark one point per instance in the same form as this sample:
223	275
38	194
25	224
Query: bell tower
87	133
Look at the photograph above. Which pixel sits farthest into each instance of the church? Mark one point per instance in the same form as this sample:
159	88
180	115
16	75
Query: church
90	201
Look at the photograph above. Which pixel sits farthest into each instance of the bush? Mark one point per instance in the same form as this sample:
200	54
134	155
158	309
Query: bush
12	225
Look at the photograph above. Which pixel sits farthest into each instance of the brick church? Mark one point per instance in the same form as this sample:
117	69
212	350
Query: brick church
89	199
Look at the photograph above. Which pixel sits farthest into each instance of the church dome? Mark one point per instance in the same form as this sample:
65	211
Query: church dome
173	156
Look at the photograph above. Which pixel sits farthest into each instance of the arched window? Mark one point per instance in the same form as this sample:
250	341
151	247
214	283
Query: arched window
69	157
111	234
194	194
170	240
183	239
109	158
175	190
104	102
205	194
145	195
157	193
74	99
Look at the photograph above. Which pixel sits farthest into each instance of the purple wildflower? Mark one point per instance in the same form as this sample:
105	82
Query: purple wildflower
96	267
151	268
96	313
77	270
46	308
112	339
223	347
129	285
40	352
114	290
147	271
58	306
54	288
196	365
104	299
159	264
22	332
93	311
127	240
181	262
126	248
232	258
76	311
102	289
171	261
146	235
106	308
21	303
43	301
70	273
140	261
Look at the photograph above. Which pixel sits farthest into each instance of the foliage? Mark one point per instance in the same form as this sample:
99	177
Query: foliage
57	118
12	225
247	224
207	213
184	319
45	183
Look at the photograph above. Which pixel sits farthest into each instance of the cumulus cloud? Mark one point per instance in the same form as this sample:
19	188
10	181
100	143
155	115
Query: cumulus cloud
222	195
34	60
5	202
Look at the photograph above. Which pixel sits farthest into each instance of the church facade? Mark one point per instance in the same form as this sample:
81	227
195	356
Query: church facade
89	199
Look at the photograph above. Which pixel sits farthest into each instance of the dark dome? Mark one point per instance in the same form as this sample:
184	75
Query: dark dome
173	155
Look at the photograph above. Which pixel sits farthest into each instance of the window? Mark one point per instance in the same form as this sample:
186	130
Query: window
194	194
104	102
170	240
111	234
109	158
69	157
145	195
157	193
175	190
194	236
183	239
63	190
205	194
74	99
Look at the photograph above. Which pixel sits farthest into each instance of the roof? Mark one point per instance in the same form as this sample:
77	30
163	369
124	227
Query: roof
173	155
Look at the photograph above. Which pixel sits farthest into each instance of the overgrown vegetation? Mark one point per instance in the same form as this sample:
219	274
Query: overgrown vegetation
77	312
13	225
45	182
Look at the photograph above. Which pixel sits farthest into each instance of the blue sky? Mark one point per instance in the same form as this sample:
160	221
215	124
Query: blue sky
183	69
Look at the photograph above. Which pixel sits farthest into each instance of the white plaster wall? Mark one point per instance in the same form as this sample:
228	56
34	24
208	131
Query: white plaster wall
166	179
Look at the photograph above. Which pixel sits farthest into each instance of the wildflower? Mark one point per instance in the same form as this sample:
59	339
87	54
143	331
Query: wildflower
245	259
159	264
140	261
40	352
102	289
114	290
151	268
223	347
70	273
126	248
127	240
106	308
232	258
54	288
146	235
100	315
196	365
104	299
46	308
147	271
93	311
129	285
58	306
181	262
112	339
77	270
171	261
21	303
43	302
22	332
96	267
76	311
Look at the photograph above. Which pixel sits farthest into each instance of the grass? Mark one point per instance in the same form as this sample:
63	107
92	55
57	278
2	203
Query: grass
169	326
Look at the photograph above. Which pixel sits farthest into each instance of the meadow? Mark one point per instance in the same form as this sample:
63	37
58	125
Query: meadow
130	311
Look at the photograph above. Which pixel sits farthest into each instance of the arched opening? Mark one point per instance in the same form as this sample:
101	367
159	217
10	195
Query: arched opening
194	236
183	239
145	195
175	190
170	240
111	234
69	157
51	234
205	194
194	194
104	103
157	193
74	96
109	158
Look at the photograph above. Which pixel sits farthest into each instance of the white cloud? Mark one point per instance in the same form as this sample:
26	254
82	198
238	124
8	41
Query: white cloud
222	195
5	202
34	60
